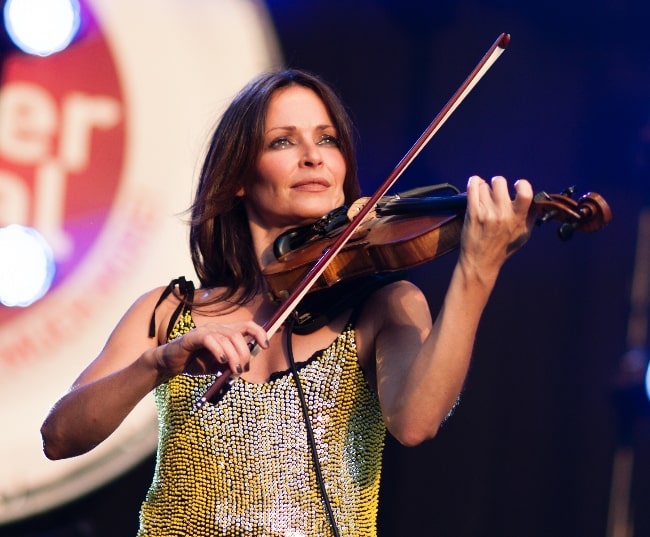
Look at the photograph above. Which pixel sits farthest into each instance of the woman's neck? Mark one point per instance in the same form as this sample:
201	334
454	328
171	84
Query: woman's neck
263	239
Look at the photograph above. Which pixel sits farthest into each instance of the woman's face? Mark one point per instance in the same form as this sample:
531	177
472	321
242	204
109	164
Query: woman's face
300	171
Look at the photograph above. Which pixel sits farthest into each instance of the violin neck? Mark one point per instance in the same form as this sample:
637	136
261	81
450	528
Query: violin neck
426	205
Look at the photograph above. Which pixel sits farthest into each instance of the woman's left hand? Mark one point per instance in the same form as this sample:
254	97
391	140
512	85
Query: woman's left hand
495	224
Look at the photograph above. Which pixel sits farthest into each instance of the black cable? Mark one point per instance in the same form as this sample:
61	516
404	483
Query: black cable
310	431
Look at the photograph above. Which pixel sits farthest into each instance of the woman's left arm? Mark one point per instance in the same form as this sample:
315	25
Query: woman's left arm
421	365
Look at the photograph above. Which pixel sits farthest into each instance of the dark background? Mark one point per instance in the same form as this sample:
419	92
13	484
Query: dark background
529	451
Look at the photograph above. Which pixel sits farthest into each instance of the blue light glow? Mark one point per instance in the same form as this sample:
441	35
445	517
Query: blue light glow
26	266
42	27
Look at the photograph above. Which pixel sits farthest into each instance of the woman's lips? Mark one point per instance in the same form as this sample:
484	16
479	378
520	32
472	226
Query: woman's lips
313	185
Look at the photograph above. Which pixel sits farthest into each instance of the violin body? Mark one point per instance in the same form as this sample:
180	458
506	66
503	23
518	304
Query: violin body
380	245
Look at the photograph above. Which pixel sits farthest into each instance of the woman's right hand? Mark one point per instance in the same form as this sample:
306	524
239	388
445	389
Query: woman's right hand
210	348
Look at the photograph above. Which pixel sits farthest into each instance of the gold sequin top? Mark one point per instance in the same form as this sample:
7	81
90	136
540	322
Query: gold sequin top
243	466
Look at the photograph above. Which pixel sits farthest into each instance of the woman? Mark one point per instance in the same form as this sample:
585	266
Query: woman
282	453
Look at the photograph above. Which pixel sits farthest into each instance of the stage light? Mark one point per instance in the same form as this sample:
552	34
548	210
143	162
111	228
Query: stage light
647	381
42	27
26	266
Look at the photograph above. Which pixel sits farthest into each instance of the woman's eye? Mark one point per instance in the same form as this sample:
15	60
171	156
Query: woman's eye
280	143
329	139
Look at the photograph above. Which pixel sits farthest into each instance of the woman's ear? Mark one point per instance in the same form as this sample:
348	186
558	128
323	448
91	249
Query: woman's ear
240	193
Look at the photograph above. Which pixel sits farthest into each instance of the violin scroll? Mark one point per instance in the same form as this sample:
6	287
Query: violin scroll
588	213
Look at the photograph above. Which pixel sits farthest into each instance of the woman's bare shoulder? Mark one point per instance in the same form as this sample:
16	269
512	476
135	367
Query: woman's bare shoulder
132	335
392	297
390	306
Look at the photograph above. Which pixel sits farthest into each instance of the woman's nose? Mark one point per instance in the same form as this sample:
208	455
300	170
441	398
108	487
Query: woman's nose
311	155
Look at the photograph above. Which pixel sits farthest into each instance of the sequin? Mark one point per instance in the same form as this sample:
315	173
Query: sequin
242	467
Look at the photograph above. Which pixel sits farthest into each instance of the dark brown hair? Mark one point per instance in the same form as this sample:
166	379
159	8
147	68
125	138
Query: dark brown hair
220	241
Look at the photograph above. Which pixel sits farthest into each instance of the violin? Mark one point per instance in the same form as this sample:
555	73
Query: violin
401	232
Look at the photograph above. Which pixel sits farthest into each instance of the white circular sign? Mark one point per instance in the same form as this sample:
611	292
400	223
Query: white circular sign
99	148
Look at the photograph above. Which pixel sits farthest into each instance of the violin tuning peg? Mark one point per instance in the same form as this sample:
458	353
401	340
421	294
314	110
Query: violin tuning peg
565	231
569	192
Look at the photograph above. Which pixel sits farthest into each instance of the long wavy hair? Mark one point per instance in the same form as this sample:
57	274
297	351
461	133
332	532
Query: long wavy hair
221	245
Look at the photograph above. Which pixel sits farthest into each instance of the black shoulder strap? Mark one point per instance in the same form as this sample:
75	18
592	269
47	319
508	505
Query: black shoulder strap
186	293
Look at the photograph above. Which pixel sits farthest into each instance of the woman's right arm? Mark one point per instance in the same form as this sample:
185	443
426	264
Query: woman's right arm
131	365
108	389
